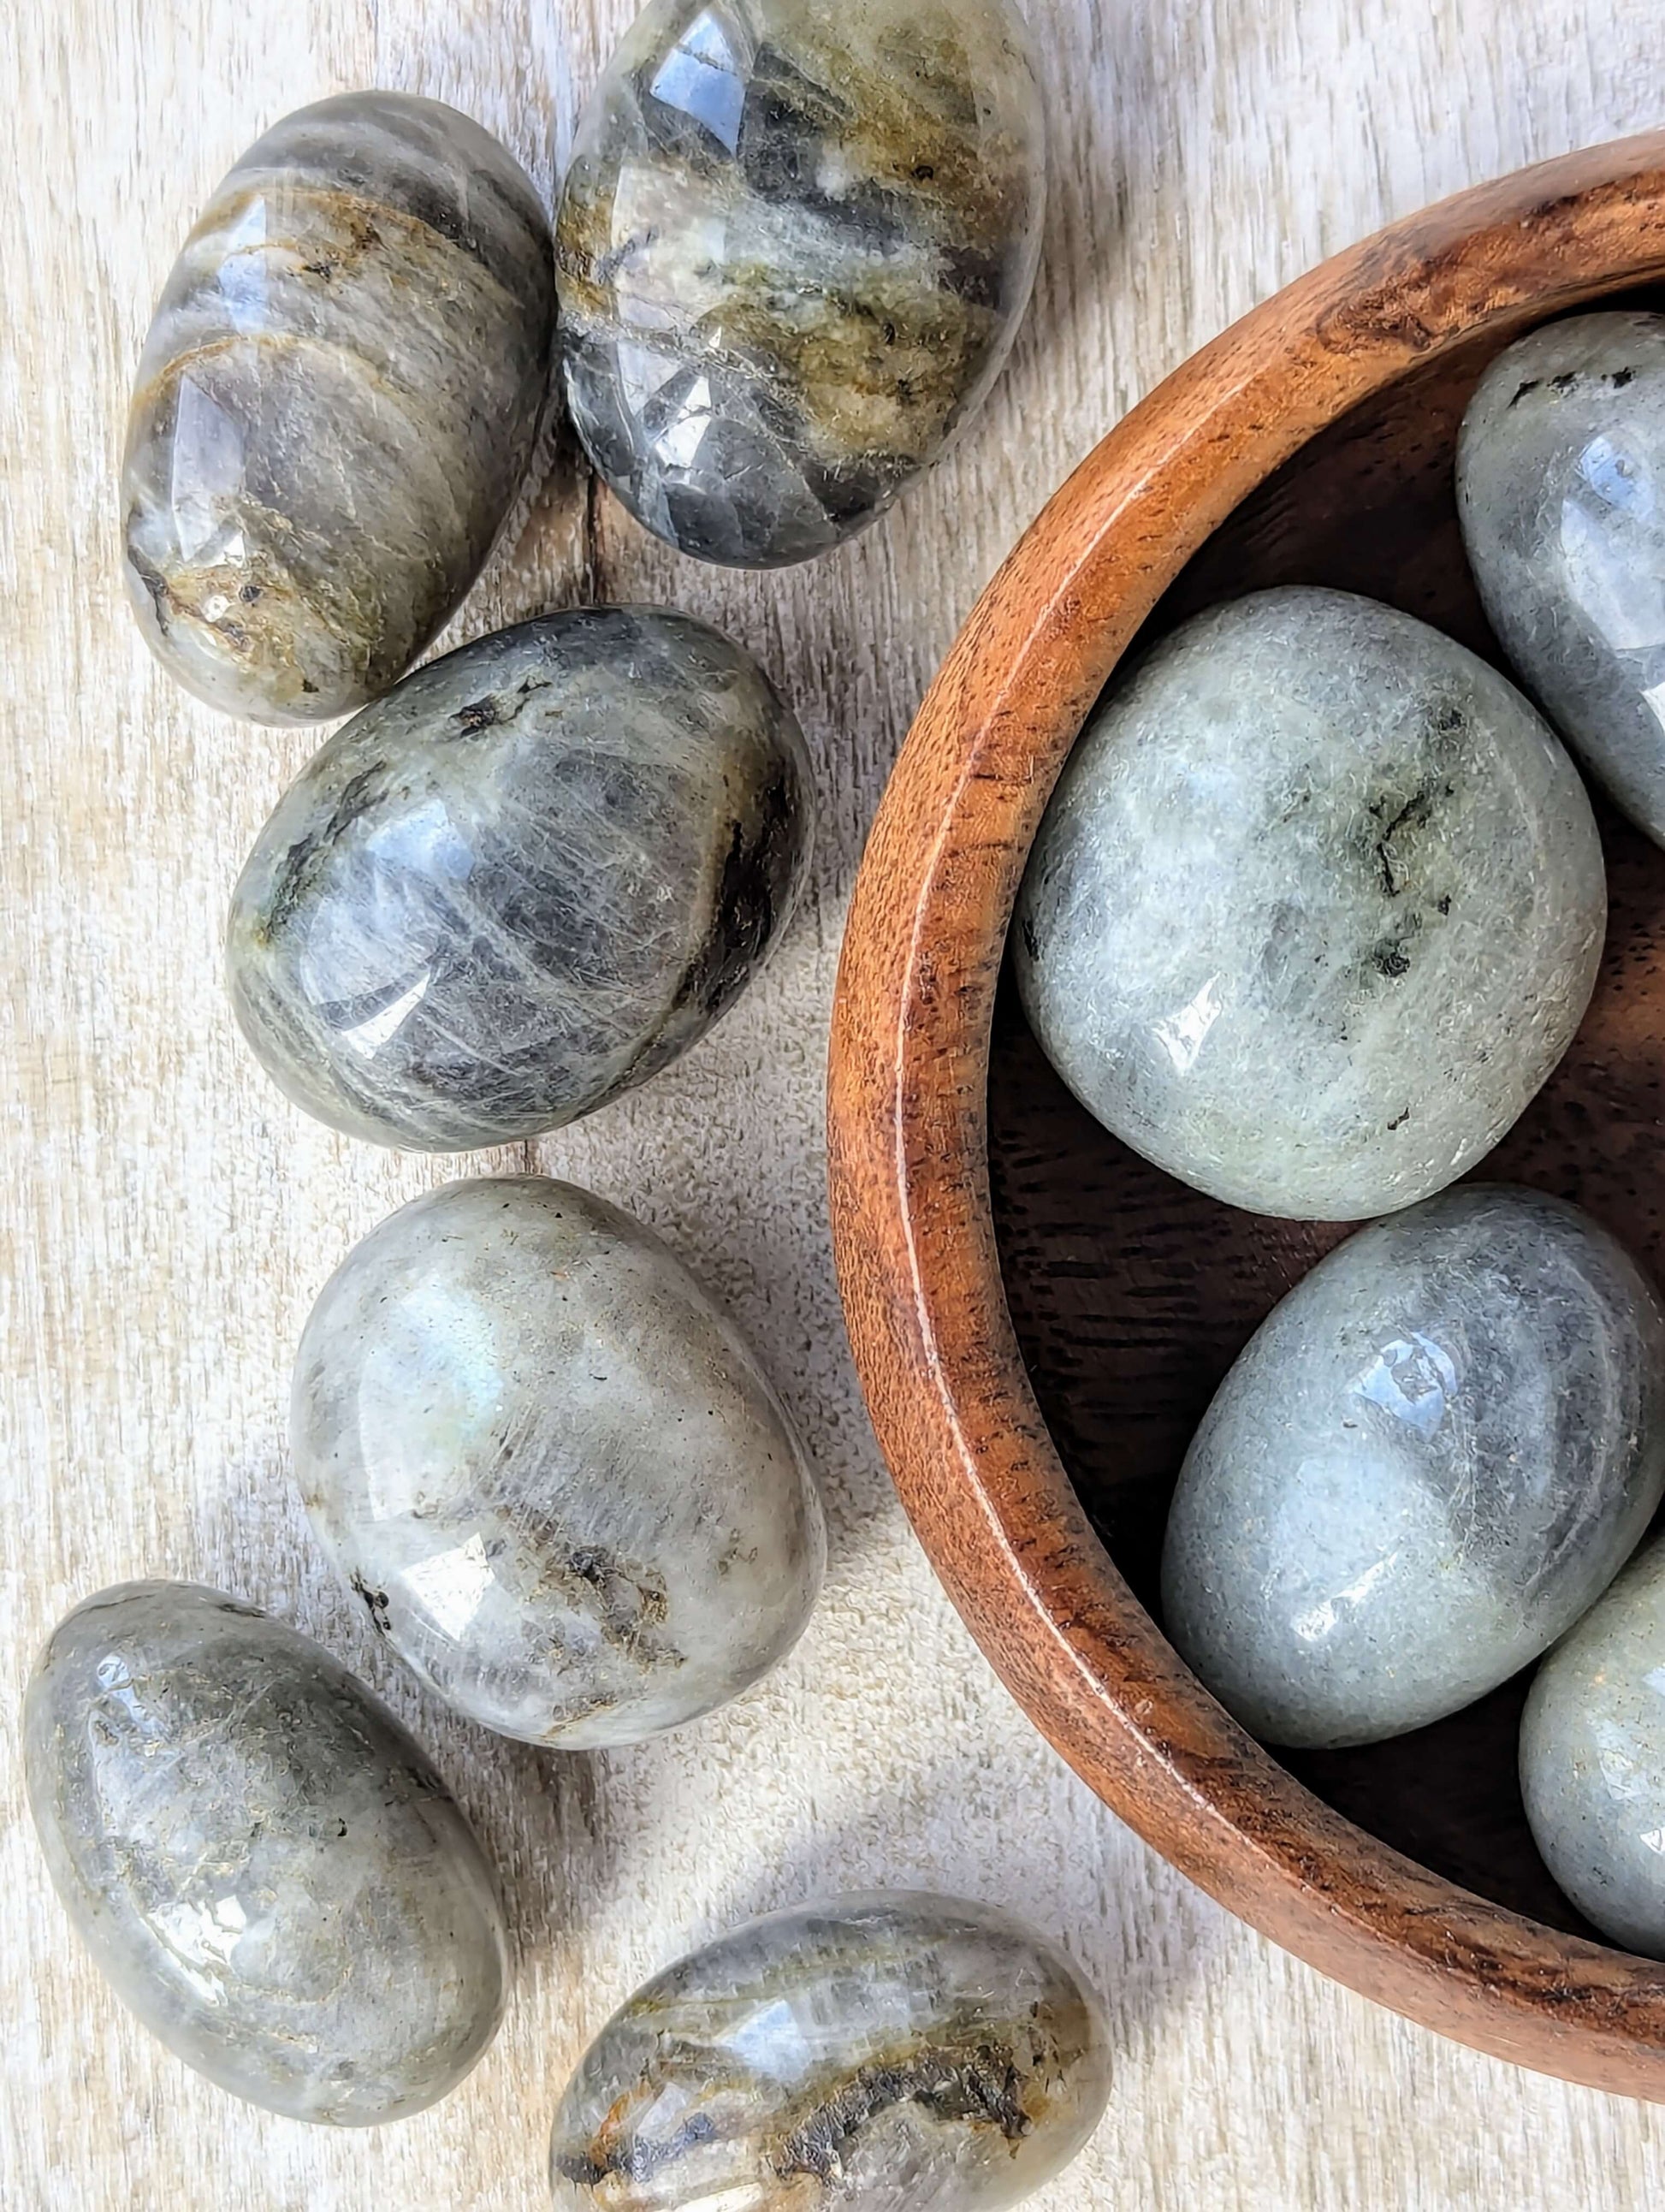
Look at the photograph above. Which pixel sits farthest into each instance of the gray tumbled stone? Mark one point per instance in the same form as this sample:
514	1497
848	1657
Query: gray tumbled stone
1316	907
1561	492
523	882
1430	1459
335	404
889	2053
551	1467
792	249
1593	1758
259	1858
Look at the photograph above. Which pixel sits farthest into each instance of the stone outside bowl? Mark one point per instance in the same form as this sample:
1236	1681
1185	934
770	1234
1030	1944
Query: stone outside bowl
1038	1316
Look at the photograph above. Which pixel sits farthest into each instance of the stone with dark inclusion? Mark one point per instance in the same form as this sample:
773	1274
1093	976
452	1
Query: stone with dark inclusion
1593	1759
1315	909
890	2053
1435	1454
1561	491
524	881
259	1858
337	402
551	1467
792	249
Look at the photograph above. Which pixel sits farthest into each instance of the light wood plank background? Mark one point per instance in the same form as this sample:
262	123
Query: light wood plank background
166	1219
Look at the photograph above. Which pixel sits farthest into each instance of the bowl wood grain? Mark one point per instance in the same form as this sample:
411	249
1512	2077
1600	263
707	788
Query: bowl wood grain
1039	1317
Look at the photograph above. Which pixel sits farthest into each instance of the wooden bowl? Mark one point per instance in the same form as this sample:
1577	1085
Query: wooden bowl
1039	1317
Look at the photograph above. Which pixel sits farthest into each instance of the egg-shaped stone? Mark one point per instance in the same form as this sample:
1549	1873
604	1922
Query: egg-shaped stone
1316	907
523	882
335	404
897	2052
792	249
1561	493
1593	1759
261	1859
1432	1457
551	1467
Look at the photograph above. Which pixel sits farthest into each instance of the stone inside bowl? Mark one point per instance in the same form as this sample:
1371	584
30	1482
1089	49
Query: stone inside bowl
1132	1294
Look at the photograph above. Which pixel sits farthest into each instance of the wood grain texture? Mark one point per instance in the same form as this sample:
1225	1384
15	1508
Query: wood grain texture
167	1219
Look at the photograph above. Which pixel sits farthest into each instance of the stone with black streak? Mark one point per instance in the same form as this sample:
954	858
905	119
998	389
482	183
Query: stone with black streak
1315	909
523	882
792	249
551	1467
259	1858
337	402
897	2052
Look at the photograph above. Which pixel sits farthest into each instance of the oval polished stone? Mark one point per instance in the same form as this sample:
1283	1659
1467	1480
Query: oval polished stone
793	247
551	1467
1316	907
884	2053
523	882
1561	493
1593	1759
336	403
1430	1458
261	1859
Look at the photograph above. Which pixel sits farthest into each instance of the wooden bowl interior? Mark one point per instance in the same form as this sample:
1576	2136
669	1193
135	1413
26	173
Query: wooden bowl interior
1131	1294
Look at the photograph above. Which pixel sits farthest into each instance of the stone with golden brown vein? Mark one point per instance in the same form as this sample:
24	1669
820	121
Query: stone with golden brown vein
335	404
551	1467
897	2052
793	247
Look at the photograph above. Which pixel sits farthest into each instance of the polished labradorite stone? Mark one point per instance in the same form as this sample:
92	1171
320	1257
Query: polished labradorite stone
336	403
1435	1454
889	2053
551	1467
1316	907
523	882
1561	490
1593	1759
792	249
259	1858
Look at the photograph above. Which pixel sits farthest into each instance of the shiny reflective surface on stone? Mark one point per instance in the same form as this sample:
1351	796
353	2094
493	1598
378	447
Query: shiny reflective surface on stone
337	402
259	1858
525	881
1593	1759
1561	492
550	1465
889	2053
1315	909
1430	1459
792	249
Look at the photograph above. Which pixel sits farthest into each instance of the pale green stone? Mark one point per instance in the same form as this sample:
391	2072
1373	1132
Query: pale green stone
1429	1459
1593	1759
1315	909
1561	492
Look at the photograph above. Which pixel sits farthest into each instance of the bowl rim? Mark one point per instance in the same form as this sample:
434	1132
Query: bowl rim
913	1232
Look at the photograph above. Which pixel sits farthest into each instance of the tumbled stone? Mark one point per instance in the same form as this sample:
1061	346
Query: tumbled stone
551	1467
1561	492
792	250
1430	1458
1593	1759
523	882
259	1858
1316	907
889	2053
337	402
